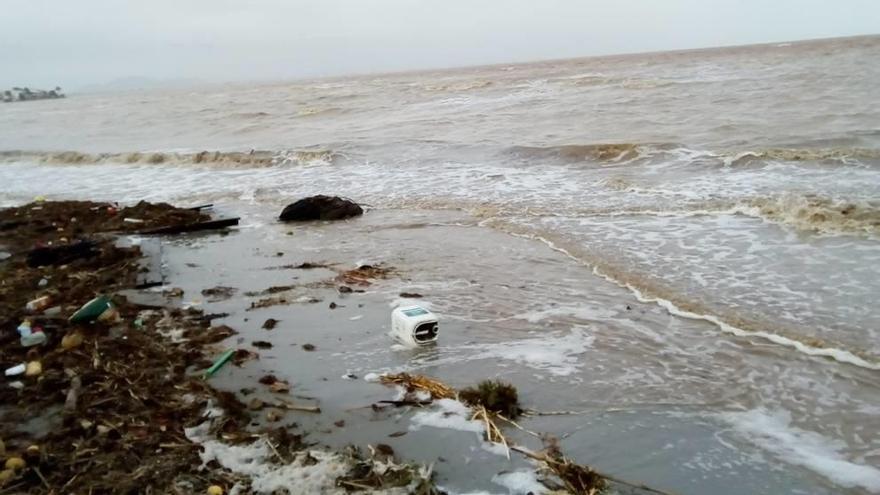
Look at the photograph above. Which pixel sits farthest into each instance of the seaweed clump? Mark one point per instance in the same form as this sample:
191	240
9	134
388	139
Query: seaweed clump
381	471
494	395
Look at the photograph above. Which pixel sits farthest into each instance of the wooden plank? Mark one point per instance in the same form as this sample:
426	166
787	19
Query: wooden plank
192	227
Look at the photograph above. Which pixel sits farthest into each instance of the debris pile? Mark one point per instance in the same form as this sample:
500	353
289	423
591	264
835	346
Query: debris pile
101	394
104	396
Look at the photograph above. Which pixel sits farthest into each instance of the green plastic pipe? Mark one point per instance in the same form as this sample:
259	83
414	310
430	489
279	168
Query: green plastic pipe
223	359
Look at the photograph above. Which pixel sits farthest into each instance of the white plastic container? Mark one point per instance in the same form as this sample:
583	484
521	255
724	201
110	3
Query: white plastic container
414	326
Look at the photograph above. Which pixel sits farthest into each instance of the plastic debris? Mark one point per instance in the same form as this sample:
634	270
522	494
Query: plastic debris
15	370
215	490
53	311
414	326
219	363
30	336
33	368
38	304
92	310
72	340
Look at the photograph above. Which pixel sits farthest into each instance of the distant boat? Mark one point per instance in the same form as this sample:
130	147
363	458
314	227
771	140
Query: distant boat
27	94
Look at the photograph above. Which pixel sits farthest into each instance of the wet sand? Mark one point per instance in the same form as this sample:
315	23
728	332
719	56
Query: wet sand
663	441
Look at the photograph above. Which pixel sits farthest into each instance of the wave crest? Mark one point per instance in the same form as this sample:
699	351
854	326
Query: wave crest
817	213
839	155
606	153
230	159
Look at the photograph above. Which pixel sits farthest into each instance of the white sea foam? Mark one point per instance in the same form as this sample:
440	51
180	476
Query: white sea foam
773	431
557	354
302	476
372	377
454	415
840	355
582	312
447	413
520	482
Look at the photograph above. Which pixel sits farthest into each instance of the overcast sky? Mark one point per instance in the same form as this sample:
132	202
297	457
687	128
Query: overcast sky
79	42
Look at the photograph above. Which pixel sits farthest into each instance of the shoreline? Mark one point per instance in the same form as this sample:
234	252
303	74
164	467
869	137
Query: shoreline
263	260
218	422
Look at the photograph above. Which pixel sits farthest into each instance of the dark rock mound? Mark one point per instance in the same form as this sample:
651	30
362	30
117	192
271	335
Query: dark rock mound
320	208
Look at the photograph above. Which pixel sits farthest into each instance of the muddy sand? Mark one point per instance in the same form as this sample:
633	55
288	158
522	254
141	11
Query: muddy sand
140	399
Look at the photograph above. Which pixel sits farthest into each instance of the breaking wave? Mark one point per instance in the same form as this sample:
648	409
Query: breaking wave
458	86
223	159
680	304
846	156
605	153
816	213
806	212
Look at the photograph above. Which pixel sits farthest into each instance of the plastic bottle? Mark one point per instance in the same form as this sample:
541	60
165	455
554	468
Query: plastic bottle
39	304
31	336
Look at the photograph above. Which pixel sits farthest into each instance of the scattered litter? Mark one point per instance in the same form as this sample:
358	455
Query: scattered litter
349	376
270	323
280	387
30	336
218	363
356	318
308	347
413	326
219	293
38	304
364	274
261	344
72	340
93	310
411	295
275	289
173	292
16	370
242	356
33	368
15	463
